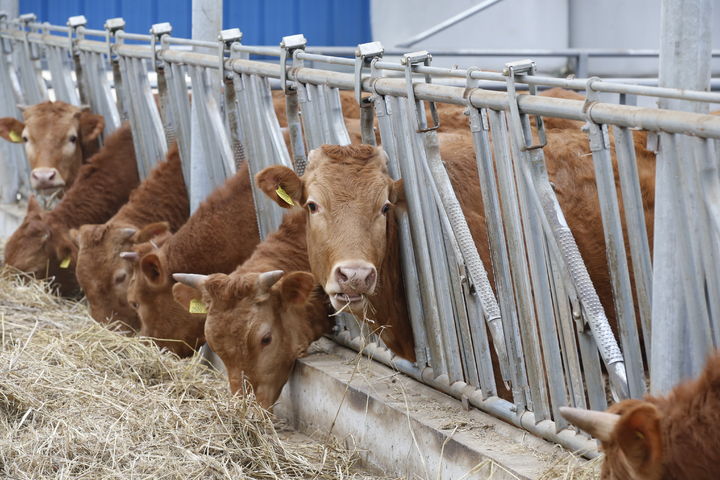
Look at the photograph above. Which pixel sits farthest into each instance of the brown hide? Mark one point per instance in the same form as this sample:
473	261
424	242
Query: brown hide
661	438
100	271
259	331
220	235
103	185
59	138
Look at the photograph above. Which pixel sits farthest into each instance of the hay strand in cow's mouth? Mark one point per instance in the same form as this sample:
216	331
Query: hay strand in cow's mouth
78	400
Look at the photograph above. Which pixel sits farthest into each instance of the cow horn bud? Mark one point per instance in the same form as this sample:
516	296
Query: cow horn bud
268	279
598	424
130	256
126	233
191	279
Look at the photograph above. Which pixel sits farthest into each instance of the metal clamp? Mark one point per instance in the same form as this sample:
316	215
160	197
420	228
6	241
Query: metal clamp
25	20
111	26
288	47
410	60
225	40
365	53
157	31
523	67
602	139
5	42
75	23
479	121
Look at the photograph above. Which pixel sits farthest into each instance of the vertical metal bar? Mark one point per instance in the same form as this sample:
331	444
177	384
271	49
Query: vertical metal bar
407	259
14	167
686	26
616	259
636	227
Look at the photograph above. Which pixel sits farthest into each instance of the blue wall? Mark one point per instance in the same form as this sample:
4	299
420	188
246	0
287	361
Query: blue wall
263	22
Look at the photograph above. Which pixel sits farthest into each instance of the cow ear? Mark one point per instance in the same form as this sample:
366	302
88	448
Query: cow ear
638	435
397	193
75	237
184	294
153	270
282	185
11	129
150	231
91	126
33	206
296	287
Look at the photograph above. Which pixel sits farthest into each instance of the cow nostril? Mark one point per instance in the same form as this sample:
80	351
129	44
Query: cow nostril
370	279
342	278
35	175
52	175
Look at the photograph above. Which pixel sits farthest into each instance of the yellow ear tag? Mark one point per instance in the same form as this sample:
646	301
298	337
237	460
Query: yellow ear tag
15	137
284	195
65	263
197	306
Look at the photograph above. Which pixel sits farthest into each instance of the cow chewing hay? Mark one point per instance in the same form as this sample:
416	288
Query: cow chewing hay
79	400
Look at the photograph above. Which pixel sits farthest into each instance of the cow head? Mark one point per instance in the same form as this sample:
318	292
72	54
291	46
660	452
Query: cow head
43	248
150	294
257	323
57	136
631	438
349	197
103	275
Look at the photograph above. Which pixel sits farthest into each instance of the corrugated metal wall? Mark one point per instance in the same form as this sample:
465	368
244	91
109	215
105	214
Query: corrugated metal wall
263	22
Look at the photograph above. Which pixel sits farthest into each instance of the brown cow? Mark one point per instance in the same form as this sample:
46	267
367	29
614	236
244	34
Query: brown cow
100	271
260	320
42	244
352	243
220	235
660	438
59	138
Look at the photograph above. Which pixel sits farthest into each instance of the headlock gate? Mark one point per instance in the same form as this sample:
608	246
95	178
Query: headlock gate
547	325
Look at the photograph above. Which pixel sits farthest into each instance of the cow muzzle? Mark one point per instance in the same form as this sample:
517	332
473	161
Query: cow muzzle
46	178
350	282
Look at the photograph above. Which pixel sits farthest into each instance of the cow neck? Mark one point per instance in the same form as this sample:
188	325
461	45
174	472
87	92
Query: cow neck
284	249
161	197
102	186
389	300
221	234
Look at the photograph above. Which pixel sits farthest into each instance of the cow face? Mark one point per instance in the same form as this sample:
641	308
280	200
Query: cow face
631	438
349	197
43	249
256	323
149	293
55	135
103	274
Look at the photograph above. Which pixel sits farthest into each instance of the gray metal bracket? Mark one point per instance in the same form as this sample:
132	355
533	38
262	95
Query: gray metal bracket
409	60
601	141
511	70
365	53
225	40
288	47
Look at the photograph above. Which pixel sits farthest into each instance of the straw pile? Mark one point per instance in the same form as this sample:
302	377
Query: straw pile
79	401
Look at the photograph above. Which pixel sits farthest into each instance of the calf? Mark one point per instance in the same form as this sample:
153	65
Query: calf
100	271
59	138
42	245
220	235
352	239
660	438
260	319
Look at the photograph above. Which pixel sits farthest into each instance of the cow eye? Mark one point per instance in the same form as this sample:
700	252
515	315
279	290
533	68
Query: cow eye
73	138
385	208
120	277
134	305
266	340
25	138
313	207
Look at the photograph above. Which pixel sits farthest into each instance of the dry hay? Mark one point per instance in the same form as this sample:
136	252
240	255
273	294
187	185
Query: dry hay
79	401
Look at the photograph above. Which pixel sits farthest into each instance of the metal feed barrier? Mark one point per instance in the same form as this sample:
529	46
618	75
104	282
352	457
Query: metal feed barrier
546	325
